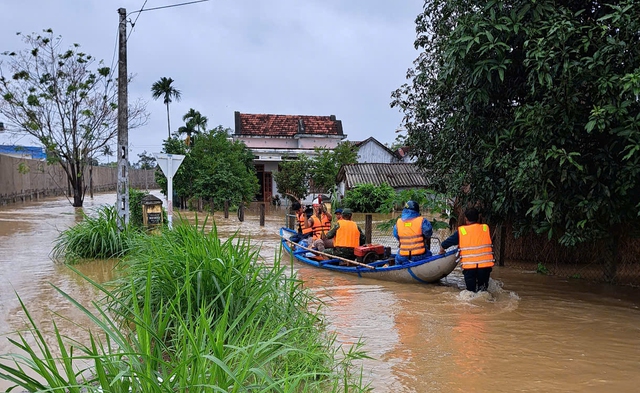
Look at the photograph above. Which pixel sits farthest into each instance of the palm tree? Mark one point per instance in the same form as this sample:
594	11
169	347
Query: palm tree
107	152
198	121
188	129
163	88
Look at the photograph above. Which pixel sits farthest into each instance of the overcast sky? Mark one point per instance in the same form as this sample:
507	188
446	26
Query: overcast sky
296	57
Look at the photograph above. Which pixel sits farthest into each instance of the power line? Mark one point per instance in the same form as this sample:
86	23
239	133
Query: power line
133	24
170	6
141	10
113	58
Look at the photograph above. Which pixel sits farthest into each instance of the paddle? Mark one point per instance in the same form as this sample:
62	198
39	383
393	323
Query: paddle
330	256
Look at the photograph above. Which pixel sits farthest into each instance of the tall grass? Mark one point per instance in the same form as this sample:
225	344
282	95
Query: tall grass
194	313
95	237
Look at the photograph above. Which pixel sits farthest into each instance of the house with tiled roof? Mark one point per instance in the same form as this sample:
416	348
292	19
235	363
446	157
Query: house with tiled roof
273	138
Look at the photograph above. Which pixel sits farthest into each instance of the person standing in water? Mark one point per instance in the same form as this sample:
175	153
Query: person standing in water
476	251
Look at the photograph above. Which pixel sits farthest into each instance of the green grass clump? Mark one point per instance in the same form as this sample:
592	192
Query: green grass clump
193	313
95	237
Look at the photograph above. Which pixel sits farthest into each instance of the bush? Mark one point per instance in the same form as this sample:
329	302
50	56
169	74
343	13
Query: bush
367	198
193	313
135	207
94	238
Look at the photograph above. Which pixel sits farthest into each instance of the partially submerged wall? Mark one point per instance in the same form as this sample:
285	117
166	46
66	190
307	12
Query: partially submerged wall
23	179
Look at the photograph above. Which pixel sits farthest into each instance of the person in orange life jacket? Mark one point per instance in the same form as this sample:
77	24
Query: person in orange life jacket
414	234
303	230
346	236
320	224
476	251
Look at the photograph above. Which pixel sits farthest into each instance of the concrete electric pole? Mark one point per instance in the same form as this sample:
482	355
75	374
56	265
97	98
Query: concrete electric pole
122	204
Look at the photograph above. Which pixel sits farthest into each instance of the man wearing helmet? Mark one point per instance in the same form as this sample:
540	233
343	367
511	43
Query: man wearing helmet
414	234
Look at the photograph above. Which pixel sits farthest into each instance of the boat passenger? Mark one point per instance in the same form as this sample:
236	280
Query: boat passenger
476	251
414	234
320	224
304	231
346	235
338	214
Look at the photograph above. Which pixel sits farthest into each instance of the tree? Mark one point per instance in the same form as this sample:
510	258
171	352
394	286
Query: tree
107	152
534	105
189	130
292	178
215	168
65	100
198	121
164	89
324	167
146	161
195	123
368	198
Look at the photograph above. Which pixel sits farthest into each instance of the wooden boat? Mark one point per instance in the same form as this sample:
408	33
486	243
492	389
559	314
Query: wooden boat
425	271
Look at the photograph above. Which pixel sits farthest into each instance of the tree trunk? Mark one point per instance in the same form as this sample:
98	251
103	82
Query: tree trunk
168	122
76	180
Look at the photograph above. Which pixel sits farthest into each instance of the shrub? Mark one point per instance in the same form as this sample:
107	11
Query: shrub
367	198
193	313
95	237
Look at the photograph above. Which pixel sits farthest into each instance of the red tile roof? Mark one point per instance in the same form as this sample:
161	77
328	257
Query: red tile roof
286	125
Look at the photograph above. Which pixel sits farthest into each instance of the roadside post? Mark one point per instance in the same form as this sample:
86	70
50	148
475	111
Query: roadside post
169	164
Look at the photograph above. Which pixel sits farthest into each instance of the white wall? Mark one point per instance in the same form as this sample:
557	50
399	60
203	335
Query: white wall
371	152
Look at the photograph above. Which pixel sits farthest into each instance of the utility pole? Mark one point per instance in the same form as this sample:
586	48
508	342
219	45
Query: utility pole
122	204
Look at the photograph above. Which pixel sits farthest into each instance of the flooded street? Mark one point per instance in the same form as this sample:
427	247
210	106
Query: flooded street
533	334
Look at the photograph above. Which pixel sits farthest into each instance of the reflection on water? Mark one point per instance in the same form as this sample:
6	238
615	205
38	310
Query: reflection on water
531	333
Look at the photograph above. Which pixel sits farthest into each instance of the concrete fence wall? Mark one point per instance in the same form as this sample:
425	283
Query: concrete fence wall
23	179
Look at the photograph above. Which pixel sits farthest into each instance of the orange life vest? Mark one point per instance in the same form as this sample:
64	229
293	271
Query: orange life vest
347	235
476	249
320	227
302	221
410	236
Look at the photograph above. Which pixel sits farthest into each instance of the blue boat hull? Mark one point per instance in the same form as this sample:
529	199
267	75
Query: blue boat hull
425	271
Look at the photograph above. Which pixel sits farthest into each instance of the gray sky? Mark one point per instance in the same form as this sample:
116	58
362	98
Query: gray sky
305	57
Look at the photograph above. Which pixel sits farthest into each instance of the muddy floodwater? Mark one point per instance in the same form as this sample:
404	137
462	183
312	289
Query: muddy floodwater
532	333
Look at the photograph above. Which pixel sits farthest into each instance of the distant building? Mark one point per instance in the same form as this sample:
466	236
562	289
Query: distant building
403	154
372	151
274	138
399	176
29	152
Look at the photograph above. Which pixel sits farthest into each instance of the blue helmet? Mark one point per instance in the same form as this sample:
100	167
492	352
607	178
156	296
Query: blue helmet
411	205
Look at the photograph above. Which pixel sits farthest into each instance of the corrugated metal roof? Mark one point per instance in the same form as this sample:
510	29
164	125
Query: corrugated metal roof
399	175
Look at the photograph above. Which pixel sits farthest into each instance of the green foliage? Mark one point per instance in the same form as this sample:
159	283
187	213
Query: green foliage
146	161
135	207
64	99
95	237
292	177
542	269
23	168
165	89
214	168
195	124
324	167
535	105
367	198
264	339
437	205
